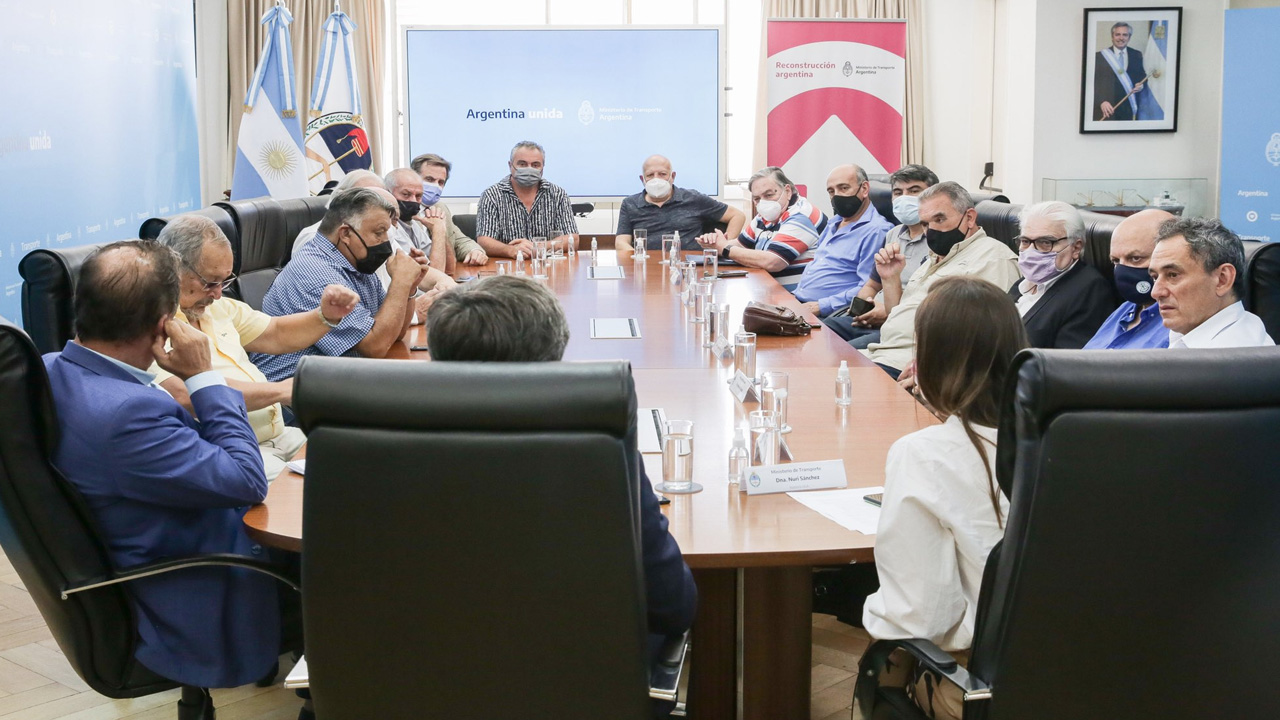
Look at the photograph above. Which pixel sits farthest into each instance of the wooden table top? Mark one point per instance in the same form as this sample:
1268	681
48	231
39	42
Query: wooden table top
718	527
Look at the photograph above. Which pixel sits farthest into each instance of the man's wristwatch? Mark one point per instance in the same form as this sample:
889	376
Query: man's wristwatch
325	320
724	254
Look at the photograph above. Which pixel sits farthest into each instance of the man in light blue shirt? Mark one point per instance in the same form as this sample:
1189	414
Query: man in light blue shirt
1136	324
846	251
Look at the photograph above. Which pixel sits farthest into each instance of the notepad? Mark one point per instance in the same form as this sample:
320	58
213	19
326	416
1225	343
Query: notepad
298	466
649	425
605	272
614	329
843	507
297	677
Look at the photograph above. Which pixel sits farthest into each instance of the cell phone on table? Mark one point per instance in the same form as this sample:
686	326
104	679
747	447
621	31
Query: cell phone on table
860	306
874	498
419	348
731	273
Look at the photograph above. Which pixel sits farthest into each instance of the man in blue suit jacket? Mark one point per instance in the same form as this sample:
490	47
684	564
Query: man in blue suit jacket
159	483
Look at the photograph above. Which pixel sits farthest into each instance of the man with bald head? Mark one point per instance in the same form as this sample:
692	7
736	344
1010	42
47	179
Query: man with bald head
846	251
663	208
1136	324
413	229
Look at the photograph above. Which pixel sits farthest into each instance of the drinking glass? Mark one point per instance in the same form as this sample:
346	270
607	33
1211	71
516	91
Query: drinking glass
689	276
677	458
554	251
744	353
539	263
717	323
640	237
668	247
764	437
773	396
710	263
503	267
701	299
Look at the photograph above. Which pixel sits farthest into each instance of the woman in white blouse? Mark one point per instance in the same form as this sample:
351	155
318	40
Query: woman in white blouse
942	510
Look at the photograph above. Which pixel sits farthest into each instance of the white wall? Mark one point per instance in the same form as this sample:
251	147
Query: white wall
1062	152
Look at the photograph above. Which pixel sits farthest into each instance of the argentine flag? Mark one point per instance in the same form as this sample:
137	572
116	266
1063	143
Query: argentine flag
1153	61
269	158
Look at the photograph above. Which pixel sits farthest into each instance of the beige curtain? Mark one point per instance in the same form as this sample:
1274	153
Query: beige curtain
911	10
244	46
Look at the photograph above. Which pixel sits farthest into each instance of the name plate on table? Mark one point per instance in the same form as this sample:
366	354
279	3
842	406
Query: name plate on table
721	348
605	272
742	387
789	477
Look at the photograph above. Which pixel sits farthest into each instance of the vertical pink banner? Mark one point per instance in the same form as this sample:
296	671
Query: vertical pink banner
836	94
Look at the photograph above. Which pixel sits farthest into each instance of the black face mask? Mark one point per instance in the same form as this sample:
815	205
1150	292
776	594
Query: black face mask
941	241
374	256
846	206
1134	284
408	208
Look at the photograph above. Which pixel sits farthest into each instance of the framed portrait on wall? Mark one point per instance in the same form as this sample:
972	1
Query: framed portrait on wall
1130	79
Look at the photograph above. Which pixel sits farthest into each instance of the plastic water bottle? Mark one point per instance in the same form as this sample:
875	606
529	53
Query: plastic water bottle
593	251
739	458
844	387
519	262
573	245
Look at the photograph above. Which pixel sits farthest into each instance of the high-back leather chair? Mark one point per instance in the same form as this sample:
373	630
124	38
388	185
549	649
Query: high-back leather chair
49	278
475	527
259	254
151	227
466	222
882	197
1262	283
1143	503
300	213
48	533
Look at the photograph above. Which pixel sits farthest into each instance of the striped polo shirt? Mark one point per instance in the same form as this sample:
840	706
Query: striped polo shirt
792	237
501	216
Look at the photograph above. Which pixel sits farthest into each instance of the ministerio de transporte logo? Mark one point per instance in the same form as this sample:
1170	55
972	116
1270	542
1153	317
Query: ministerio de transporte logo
848	68
586	113
1273	150
754	479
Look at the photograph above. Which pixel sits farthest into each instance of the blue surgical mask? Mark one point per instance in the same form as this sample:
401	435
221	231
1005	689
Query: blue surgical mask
528	176
431	194
907	209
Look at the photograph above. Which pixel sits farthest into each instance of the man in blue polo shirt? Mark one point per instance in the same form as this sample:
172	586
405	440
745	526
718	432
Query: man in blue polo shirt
846	252
1136	324
664	208
350	246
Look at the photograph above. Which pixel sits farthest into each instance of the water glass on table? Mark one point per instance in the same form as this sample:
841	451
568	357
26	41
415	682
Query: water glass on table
744	354
763	437
710	263
502	267
555	250
639	237
668	247
701	299
688	277
717	324
773	396
539	263
677	458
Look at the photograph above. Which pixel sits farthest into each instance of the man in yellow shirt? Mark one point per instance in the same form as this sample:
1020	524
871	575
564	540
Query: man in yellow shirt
234	329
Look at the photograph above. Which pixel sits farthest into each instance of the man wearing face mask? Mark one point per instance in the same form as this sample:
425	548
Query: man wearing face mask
434	171
663	208
1136	324
957	246
846	251
781	237
350	246
1061	299
412	228
522	206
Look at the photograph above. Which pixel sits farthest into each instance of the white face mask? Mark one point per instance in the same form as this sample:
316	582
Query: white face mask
770	210
657	187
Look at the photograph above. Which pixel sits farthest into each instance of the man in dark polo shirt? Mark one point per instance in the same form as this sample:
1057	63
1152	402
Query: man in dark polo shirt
664	208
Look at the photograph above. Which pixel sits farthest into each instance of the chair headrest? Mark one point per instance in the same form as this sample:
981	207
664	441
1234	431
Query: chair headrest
465	396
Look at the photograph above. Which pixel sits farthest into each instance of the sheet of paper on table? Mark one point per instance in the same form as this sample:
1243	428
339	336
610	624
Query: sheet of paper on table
846	508
298	466
605	272
615	329
649	425
297	677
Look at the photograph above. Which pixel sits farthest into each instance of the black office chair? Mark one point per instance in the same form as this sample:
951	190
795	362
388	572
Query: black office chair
474	526
48	293
263	241
298	214
151	227
1262	283
466	222
1144	503
49	534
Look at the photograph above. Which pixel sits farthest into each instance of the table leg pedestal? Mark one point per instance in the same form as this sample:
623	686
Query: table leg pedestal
713	658
776	642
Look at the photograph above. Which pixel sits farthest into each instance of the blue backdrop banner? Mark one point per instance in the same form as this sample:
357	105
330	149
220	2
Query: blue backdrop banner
98	131
1250	183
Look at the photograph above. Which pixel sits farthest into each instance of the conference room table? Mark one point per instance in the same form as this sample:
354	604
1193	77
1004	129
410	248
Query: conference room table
752	556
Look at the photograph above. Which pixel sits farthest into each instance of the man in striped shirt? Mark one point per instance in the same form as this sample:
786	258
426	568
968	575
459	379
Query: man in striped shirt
522	206
782	235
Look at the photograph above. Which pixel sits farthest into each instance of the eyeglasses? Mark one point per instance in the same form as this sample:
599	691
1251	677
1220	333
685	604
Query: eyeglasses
1043	244
209	286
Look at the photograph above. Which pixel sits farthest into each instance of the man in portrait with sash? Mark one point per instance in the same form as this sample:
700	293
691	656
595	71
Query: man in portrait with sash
1117	77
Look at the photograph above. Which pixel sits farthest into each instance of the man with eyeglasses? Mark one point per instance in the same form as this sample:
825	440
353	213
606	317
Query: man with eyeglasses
1062	300
234	329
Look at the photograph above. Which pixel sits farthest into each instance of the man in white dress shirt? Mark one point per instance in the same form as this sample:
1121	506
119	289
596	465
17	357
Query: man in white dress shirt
1197	267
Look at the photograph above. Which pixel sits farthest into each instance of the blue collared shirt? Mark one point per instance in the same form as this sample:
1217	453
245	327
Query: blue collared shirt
298	288
1149	333
843	261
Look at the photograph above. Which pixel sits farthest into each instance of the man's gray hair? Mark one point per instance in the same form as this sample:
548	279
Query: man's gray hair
395	177
528	145
775	174
1210	242
959	197
187	236
502	318
347	206
349	180
1123	25
1054	211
